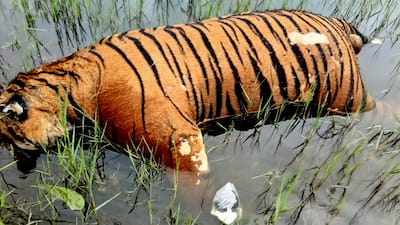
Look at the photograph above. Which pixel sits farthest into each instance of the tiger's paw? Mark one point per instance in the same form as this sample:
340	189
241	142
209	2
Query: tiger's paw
190	154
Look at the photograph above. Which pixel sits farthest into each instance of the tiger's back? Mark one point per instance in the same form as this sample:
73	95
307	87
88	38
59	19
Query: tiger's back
157	87
221	68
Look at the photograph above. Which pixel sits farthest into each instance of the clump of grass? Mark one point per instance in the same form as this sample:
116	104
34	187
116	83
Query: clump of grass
12	209
175	218
336	172
71	173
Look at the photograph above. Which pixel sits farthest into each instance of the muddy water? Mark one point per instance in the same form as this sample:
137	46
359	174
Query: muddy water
337	197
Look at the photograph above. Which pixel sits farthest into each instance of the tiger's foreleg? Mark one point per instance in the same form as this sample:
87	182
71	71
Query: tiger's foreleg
188	151
177	141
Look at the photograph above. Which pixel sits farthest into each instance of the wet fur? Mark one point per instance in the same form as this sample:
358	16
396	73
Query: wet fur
159	87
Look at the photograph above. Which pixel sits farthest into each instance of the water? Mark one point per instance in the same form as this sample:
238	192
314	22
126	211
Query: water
257	166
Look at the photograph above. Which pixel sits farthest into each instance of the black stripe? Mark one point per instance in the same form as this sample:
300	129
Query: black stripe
280	72
303	66
273	31
195	95
100	67
322	57
209	47
73	74
229	107
90	60
318	19
156	42
122	35
248	41
213	61
290	18
265	89
317	84
218	94
153	67
102	40
297	84
234	44
210	110
297	52
59	73
9	90
203	109
231	27
168	30
200	23
197	56
342	67
321	51
77	109
94	52
20	138
298	55
42	80
241	99
180	73
350	99
123	55
17	82
350	96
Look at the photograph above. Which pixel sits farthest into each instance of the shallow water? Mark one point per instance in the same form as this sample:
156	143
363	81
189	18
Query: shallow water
337	197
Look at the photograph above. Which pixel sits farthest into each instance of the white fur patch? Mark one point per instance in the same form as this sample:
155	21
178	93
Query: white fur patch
184	148
310	38
183	87
202	158
15	107
376	41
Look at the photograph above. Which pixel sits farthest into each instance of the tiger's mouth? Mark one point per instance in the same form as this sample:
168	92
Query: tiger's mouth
24	151
17	137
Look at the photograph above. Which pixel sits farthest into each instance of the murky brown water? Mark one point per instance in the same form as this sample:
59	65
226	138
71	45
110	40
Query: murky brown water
244	162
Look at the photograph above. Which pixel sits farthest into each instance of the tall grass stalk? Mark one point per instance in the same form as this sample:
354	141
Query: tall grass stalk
285	191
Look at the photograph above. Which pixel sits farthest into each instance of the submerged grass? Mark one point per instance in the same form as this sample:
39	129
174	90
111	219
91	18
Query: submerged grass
78	163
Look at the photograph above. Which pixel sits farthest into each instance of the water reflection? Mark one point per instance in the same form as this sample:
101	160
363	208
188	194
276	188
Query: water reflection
343	170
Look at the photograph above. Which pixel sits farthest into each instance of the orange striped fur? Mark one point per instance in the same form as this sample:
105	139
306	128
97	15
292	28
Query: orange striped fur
159	87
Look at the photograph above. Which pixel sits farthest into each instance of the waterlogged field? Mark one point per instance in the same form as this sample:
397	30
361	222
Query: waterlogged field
329	170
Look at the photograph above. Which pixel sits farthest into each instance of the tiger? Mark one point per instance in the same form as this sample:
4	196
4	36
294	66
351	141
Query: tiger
159	90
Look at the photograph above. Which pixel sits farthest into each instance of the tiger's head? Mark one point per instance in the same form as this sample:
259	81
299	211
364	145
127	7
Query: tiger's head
29	115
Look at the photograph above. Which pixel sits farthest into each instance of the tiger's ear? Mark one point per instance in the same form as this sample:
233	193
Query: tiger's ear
13	107
16	107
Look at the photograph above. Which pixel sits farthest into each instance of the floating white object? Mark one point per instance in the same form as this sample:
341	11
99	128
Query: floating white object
376	41
226	204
